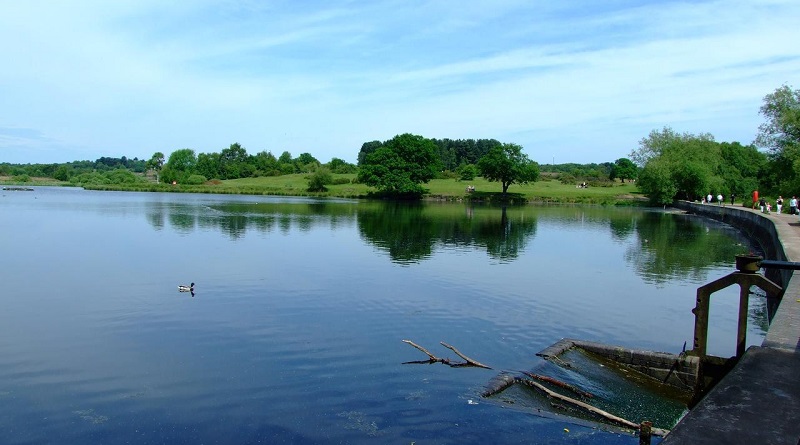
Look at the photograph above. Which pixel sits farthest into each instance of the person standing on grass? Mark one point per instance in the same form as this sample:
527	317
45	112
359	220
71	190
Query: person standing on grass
779	204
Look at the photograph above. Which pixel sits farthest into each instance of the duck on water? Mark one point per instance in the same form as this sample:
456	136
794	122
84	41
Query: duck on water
185	288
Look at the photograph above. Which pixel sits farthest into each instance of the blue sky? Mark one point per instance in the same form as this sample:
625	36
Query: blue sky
577	81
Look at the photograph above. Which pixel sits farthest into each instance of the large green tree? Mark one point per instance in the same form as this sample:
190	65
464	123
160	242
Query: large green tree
655	181
782	111
679	166
209	165
233	162
180	166
780	135
366	149
623	168
743	168
266	164
400	165
653	145
507	164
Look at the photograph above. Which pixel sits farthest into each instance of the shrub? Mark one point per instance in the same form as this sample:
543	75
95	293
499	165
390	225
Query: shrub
121	176
287	169
63	173
318	179
92	178
195	180
566	178
447	174
467	172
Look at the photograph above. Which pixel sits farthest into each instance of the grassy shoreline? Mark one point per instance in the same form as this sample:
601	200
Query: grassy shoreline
543	191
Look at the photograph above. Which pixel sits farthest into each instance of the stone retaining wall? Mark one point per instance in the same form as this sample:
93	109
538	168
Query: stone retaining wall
779	243
752	224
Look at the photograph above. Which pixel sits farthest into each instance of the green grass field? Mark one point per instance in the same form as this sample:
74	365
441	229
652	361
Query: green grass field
545	190
446	189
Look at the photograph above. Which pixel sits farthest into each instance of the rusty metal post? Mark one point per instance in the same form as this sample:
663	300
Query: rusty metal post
744	303
645	432
701	321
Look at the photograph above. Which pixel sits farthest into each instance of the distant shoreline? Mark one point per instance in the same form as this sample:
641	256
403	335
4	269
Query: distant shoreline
442	190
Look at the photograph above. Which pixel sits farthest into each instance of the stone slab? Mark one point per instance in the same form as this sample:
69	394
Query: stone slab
758	402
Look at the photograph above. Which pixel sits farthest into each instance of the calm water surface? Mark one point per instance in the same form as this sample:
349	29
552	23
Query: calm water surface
294	332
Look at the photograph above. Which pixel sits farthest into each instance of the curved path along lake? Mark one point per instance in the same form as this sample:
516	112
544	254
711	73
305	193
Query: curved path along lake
293	334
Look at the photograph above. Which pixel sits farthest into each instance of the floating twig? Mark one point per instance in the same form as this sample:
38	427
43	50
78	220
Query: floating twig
469	360
446	361
433	357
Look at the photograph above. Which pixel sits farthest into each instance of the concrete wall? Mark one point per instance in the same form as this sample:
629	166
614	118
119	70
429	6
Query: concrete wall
752	224
779	243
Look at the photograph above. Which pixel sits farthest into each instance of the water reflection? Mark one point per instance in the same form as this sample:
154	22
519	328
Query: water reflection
184	221
234	219
503	236
411	233
156	219
623	226
406	232
662	246
671	246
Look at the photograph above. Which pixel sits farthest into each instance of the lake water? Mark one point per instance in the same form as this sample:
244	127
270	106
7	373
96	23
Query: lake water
294	331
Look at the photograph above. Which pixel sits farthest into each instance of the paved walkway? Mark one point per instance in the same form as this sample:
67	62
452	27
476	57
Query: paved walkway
759	401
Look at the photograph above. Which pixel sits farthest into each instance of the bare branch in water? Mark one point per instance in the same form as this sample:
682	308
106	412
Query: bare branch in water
435	359
432	357
469	360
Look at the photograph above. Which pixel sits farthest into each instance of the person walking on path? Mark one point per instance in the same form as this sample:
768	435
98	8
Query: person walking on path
733	197
762	204
779	204
709	199
793	205
719	199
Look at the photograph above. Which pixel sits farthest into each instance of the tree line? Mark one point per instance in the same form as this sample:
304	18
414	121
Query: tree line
397	167
67	170
183	166
689	166
234	162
